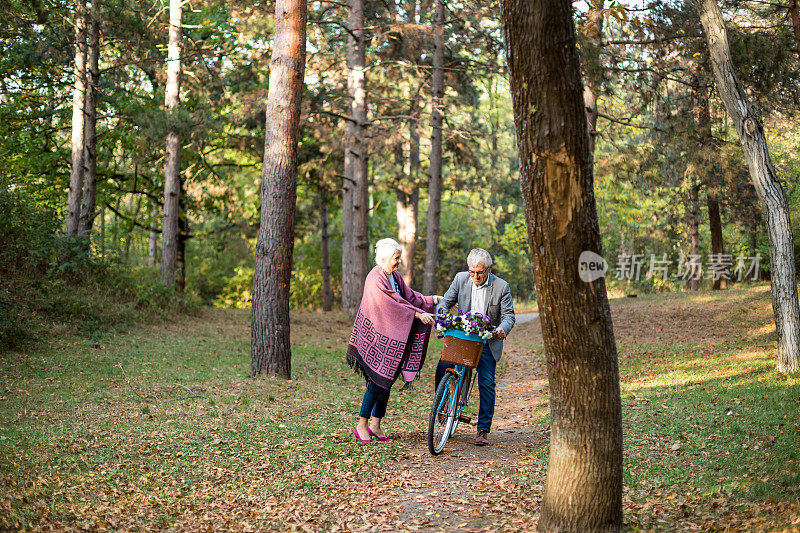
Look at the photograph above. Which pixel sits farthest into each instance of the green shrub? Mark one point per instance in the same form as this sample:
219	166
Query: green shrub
46	277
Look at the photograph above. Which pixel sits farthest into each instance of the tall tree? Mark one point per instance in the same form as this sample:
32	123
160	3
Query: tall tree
591	89
435	181
152	234
89	196
746	118
407	194
327	290
795	14
271	348
715	228
78	101
583	489
172	167
710	164
694	230
355	221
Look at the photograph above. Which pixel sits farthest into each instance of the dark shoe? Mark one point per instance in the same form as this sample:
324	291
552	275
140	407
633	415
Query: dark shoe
481	439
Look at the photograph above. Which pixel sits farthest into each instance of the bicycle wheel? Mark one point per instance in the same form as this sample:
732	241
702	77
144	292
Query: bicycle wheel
442	414
462	398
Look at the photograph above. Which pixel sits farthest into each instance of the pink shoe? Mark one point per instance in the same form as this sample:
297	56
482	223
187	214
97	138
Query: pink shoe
359	439
382	439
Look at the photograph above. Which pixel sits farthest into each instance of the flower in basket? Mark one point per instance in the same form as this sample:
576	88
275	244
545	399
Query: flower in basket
468	322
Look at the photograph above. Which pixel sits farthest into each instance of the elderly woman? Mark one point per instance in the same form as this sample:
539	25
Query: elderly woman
390	337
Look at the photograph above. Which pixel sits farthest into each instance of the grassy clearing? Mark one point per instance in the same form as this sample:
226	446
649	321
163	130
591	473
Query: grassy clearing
161	427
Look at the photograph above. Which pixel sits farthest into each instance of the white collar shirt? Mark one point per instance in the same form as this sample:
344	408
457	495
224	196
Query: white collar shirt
478	300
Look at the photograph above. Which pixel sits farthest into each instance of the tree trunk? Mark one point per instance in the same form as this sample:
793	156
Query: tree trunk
793	11
183	236
355	221
747	120
694	232
583	488
152	245
407	198
592	88
115	226
102	232
407	209
172	167
410	244
327	291
708	163
715	225
271	351
136	206
78	101
89	198
435	182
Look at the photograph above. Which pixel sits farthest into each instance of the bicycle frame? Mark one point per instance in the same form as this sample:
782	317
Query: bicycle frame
453	407
450	401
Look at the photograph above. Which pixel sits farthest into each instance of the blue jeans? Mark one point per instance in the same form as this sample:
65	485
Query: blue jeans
486	384
375	401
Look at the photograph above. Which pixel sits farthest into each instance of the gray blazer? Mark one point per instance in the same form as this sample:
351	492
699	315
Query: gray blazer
499	305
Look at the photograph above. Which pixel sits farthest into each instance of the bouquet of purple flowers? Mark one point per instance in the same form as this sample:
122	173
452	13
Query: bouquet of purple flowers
468	322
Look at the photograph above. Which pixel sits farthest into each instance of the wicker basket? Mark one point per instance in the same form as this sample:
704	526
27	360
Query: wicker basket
462	348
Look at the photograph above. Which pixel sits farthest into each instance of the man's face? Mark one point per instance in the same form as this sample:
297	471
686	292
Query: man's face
478	273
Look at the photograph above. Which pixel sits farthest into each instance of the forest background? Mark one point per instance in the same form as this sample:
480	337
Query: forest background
670	177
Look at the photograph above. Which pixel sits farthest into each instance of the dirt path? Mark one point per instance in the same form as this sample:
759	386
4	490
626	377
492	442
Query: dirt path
471	488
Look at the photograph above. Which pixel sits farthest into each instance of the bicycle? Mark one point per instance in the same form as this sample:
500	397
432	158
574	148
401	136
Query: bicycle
453	392
449	402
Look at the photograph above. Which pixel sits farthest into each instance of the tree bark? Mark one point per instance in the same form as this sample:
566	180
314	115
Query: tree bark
592	88
74	196
583	488
135	207
89	198
271	351
183	236
795	14
694	232
413	174
102	232
172	167
152	245
715	225
746	118
435	181
327	290
708	163
407	209
355	221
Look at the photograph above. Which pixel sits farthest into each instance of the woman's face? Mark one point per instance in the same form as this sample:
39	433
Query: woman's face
392	263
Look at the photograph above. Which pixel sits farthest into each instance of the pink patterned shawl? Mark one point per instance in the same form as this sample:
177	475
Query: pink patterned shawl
386	338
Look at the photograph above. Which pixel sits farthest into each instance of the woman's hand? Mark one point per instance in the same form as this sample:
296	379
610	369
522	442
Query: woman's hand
426	318
436	298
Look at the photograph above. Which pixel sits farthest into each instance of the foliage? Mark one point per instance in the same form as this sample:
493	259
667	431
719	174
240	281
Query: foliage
46	278
650	68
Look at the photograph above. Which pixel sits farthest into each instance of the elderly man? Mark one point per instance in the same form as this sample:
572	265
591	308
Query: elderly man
478	290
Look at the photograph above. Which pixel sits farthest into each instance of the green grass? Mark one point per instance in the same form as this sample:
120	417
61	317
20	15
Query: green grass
162	427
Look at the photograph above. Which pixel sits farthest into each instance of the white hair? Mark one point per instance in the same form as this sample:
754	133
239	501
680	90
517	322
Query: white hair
479	256
384	249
